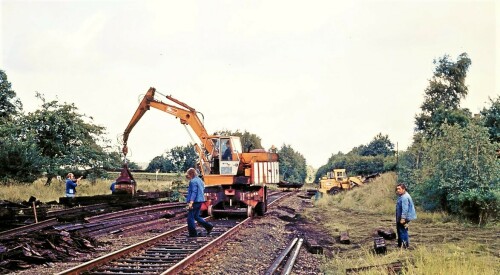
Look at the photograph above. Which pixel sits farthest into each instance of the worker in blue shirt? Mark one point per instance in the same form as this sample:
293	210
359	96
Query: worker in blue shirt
112	187
71	184
195	198
228	154
405	212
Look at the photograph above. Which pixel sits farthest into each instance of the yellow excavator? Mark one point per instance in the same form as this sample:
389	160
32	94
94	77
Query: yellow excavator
235	181
337	181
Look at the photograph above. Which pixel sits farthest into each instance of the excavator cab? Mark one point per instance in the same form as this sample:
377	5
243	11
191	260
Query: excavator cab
225	155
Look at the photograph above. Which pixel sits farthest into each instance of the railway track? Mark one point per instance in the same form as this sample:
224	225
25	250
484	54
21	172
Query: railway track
167	253
101	224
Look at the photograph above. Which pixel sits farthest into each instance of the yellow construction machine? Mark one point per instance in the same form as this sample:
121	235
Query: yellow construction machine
337	181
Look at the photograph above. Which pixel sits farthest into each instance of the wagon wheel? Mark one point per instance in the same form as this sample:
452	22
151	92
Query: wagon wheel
334	191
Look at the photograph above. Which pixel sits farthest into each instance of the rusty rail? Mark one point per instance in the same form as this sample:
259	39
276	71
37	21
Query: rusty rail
28	228
287	267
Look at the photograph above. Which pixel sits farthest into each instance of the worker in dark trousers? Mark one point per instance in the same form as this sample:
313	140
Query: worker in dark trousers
405	212
195	198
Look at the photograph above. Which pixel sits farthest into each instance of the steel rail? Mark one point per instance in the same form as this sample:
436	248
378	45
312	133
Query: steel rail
28	228
280	258
279	198
128	212
200	252
289	264
119	253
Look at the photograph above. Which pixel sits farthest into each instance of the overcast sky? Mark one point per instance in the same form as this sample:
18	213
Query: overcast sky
321	76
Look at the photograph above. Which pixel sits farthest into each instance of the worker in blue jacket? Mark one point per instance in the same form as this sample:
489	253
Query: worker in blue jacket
71	184
195	198
405	212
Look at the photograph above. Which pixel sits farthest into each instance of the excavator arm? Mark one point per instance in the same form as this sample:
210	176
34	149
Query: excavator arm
186	114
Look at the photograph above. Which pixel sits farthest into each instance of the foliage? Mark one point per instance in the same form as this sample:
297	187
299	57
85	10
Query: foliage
65	140
161	164
458	172
379	146
19	156
177	159
491	119
10	106
442	96
452	165
292	165
375	157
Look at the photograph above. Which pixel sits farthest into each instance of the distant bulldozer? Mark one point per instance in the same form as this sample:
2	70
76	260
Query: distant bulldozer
337	181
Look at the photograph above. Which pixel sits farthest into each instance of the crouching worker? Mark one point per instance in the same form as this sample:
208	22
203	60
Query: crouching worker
195	198
71	184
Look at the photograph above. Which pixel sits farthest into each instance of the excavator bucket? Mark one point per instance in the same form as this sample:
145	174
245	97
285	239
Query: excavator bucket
125	183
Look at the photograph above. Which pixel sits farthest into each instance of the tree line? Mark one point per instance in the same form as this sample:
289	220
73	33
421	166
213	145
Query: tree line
377	156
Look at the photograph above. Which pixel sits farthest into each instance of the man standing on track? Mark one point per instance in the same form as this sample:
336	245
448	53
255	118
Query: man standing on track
195	198
405	212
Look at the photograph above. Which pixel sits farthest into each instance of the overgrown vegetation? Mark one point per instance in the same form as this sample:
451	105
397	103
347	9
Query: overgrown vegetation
452	164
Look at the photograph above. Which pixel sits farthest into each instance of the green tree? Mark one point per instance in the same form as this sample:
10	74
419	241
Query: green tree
491	119
160	163
292	165
380	145
19	156
182	157
66	139
10	106
460	173
177	159
442	96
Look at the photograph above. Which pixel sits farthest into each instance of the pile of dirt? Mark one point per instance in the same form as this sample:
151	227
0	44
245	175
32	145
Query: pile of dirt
44	247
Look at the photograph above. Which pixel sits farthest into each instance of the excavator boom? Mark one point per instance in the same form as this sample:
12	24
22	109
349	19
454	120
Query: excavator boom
186	115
